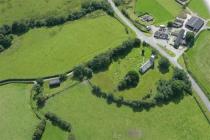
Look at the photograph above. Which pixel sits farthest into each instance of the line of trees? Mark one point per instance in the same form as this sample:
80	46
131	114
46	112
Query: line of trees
21	27
66	126
167	90
39	130
103	61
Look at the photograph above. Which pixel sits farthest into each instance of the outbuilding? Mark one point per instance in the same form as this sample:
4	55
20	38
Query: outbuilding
179	38
54	83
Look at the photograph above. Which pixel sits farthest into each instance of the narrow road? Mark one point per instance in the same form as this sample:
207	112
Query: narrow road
152	42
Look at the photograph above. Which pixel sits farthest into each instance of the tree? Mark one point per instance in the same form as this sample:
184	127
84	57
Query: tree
19	28
63	77
78	72
40	81
6	40
170	24
142	52
88	73
190	39
164	63
177	86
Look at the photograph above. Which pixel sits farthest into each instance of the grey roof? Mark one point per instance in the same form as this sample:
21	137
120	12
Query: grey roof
195	23
179	38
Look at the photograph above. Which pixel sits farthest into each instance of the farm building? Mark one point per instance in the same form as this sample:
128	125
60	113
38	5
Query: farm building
54	83
146	66
194	24
180	39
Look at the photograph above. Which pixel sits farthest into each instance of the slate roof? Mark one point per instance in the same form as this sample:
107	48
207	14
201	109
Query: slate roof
179	38
195	23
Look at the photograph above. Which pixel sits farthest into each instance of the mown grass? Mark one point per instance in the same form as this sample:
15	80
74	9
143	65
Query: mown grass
17	119
54	133
162	10
200	8
15	10
49	51
109	80
92	118
198	60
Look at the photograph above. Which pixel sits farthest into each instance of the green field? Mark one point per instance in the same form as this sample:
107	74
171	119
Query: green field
199	7
92	118
198	60
162	10
54	133
17	119
109	80
15	10
48	51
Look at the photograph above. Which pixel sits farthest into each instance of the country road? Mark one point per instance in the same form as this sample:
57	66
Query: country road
152	42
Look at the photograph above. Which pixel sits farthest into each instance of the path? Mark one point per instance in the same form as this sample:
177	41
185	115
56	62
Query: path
152	42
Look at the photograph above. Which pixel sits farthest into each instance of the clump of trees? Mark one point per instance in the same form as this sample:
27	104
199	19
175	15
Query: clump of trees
58	121
39	130
179	85
164	63
190	39
131	80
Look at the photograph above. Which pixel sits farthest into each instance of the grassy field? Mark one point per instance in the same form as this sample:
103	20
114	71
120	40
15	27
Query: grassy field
48	51
162	10
199	7
109	80
17	119
54	133
92	118
198	60
12	10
